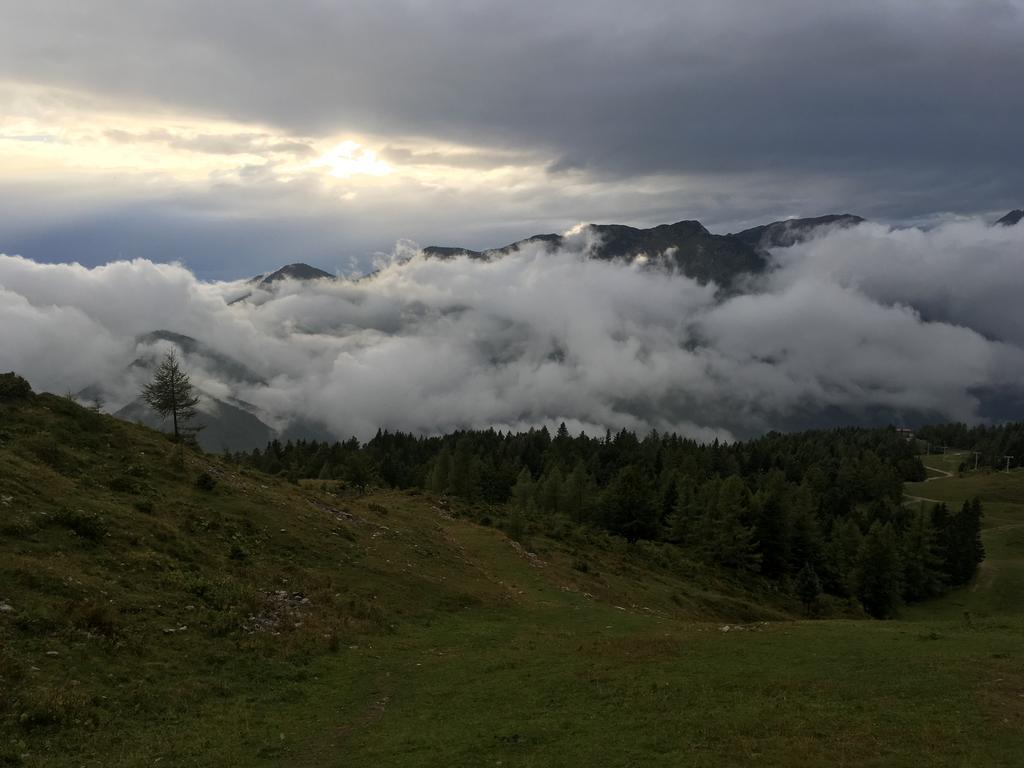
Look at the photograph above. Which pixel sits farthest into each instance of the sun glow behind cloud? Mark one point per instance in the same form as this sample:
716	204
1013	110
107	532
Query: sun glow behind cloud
49	131
173	185
349	158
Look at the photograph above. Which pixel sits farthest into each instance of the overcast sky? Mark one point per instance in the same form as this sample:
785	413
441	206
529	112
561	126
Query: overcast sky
238	136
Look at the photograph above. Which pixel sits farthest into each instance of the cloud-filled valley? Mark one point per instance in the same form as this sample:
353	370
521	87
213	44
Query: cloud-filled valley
868	323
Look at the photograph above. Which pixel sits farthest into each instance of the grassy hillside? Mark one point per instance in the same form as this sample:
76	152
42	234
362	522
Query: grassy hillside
998	589
148	621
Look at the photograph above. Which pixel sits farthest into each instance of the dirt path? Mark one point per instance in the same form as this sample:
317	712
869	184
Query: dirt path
907	497
944	475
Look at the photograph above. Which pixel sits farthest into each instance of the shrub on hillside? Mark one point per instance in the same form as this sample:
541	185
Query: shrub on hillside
45	706
16	526
515	527
123	484
97	618
49	451
13	387
239	551
205	482
88	525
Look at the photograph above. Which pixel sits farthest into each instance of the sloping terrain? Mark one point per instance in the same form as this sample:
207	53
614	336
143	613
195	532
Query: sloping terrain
136	604
148	618
998	589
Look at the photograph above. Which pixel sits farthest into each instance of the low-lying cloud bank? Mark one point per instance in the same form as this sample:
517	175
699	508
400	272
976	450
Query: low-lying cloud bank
869	324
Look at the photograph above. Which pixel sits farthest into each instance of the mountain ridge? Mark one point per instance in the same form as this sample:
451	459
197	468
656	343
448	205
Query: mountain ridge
1012	218
787	232
686	245
295	271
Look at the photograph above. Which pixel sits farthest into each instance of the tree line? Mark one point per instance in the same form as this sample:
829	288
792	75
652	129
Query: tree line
992	443
819	513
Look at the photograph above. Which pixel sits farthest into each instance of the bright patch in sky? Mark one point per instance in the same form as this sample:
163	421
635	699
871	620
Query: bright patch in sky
352	159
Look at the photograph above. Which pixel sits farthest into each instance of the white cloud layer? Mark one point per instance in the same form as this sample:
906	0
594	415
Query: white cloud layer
862	324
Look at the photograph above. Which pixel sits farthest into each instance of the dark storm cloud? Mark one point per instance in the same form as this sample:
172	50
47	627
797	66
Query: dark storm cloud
733	113
920	96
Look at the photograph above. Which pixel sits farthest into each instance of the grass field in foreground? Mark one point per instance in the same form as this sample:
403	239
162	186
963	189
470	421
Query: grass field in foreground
430	640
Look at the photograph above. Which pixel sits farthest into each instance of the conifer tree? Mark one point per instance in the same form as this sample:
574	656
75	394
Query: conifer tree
573	492
523	491
843	557
464	478
922	565
878	572
731	541
669	500
771	526
171	393
808	587
359	471
627	506
805	539
683	520
965	549
977	547
550	493
440	472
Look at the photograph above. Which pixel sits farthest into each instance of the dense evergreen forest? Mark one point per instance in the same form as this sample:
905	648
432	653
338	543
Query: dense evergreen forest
992	443
818	513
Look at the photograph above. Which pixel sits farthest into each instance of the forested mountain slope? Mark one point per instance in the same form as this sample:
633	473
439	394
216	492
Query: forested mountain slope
812	512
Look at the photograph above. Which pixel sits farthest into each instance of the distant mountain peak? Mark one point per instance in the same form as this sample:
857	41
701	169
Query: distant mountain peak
782	234
691	226
187	343
1011	219
686	245
297	271
227	367
451	251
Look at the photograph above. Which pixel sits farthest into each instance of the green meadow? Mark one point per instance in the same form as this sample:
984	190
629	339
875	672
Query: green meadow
149	619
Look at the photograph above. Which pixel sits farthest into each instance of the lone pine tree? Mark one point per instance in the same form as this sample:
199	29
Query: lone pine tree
171	393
